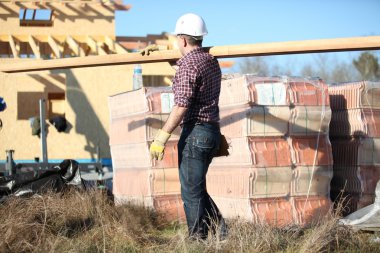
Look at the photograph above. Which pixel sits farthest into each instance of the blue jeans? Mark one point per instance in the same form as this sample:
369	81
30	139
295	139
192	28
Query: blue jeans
197	146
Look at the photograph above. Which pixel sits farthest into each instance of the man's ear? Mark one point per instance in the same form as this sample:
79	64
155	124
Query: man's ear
184	41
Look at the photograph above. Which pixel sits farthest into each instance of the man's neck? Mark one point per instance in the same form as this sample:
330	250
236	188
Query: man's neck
189	49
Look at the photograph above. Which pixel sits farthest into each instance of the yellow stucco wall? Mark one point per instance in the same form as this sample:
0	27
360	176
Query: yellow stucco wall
86	109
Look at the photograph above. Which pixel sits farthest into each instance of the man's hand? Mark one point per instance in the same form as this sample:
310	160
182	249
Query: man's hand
158	145
148	49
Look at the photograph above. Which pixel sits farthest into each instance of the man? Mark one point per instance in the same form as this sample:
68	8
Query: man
196	87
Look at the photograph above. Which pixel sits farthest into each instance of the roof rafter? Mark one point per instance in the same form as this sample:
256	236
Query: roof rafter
14	48
34	46
74	46
54	47
95	47
114	46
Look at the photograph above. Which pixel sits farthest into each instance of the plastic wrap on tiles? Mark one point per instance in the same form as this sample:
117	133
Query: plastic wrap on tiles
230	182
136	155
234	91
345	179
233	122
309	120
132	182
369	176
138	128
144	100
234	207
159	99
271	182
239	154
355	179
165	181
254	121
146	201
268	121
170	206
311	180
369	151
345	95
356	151
345	151
270	152
309	92
273	211
354	95
268	91
256	152
372	121
310	209
355	122
348	123
244	182
352	202
251	89
365	200
311	151
370	97
146	182
120	105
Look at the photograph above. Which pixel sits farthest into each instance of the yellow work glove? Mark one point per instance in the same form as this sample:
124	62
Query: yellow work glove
148	49
158	145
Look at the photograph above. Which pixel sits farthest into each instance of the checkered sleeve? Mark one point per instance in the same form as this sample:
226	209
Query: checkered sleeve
185	86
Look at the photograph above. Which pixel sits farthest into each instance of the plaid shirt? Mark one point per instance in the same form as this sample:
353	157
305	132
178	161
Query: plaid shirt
196	86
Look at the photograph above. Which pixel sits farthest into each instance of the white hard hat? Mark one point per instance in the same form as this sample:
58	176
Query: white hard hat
191	24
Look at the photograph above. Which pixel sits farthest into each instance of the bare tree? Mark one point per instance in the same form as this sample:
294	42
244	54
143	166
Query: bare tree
254	65
308	71
368	66
343	72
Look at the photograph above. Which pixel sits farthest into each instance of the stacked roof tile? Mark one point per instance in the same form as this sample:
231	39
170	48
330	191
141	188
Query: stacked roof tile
280	163
355	139
135	117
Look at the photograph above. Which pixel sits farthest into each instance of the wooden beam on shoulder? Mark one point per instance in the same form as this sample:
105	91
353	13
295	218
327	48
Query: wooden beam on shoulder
233	51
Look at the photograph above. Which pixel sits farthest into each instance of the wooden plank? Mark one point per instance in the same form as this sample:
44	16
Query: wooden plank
54	47
74	46
35	48
13	46
94	46
114	46
260	49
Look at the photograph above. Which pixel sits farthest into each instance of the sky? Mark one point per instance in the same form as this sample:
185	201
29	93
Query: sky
256	21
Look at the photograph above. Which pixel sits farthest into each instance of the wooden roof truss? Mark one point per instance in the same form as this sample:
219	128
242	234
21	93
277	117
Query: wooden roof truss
55	47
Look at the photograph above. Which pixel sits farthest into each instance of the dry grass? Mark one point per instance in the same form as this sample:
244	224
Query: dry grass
89	222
